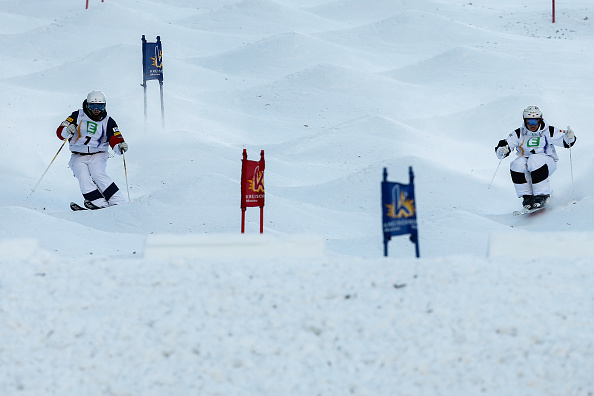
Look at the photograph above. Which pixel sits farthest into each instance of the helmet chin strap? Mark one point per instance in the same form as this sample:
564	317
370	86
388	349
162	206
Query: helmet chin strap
98	117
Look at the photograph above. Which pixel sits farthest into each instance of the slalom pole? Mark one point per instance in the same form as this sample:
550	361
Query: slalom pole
126	173
571	169
50	164
496	173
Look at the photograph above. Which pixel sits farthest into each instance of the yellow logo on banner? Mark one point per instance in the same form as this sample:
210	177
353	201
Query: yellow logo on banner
256	184
158	59
403	209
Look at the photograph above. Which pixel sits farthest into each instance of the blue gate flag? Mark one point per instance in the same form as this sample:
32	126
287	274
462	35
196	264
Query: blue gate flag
152	69
399	212
152	60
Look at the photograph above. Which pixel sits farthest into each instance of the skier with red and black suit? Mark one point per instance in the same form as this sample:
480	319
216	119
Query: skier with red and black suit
536	160
91	132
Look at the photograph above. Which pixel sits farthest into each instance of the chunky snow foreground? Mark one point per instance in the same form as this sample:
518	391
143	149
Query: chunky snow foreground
450	326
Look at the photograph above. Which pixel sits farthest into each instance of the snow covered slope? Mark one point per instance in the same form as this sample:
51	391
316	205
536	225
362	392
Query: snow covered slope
333	91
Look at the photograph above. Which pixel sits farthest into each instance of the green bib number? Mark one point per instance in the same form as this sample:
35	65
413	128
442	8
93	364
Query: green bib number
91	127
533	142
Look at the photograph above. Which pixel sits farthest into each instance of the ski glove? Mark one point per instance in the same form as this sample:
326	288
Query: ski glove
502	149
502	152
67	133
121	148
569	135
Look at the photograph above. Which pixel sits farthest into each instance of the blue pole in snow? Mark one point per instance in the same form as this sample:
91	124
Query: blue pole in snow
144	77
414	237
386	238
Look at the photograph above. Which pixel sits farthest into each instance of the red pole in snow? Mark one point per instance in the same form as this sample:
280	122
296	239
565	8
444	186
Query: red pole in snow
262	207
252	187
87	7
553	11
242	220
243	208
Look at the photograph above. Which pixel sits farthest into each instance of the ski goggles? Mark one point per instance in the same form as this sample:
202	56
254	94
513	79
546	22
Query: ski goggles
97	106
532	121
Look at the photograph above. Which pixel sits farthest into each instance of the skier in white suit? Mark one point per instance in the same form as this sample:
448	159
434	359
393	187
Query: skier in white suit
91	132
536	160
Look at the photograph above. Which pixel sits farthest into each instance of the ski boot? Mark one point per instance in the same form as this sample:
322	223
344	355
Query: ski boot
540	201
528	201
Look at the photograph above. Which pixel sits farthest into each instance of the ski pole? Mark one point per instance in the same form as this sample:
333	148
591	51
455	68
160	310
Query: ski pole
126	173
571	169
50	164
493	178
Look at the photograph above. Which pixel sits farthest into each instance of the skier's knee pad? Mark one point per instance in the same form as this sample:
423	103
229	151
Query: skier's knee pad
540	174
110	191
518	177
92	195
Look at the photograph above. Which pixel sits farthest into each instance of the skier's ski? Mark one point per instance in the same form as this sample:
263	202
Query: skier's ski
74	206
90	205
525	211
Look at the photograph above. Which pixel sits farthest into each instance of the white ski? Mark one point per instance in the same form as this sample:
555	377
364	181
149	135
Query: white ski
527	211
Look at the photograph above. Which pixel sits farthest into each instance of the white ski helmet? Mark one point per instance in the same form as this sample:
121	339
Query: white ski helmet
95	101
96	97
532	112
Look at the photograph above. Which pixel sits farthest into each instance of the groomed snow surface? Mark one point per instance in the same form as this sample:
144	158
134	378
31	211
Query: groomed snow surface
163	296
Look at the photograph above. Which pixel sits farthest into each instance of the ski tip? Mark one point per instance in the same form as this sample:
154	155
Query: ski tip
76	207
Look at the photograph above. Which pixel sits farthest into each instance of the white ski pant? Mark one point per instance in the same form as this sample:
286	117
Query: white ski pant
93	181
531	174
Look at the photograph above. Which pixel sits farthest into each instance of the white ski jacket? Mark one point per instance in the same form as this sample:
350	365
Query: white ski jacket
542	141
